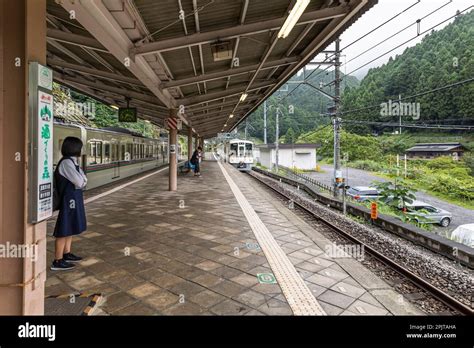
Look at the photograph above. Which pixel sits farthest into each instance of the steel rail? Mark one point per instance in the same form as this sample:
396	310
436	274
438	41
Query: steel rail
447	299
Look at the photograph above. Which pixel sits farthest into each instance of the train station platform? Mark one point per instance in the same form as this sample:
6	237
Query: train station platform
220	245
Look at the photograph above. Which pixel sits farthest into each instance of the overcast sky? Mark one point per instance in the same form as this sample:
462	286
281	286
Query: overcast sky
384	10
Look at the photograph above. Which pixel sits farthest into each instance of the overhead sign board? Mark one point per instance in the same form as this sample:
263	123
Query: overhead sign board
127	114
40	172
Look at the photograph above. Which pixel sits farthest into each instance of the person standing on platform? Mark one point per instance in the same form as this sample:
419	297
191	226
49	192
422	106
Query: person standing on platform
195	161
69	181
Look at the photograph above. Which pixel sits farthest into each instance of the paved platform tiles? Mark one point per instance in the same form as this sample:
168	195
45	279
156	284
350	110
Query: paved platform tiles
192	252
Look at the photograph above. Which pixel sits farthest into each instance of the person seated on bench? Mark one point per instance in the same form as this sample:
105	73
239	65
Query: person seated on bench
195	161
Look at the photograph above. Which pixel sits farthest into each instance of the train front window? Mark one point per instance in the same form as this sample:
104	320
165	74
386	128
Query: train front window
248	150
234	149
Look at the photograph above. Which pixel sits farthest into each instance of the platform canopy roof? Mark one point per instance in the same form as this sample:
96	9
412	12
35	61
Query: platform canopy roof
198	56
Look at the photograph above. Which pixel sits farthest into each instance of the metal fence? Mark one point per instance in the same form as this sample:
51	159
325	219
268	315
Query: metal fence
305	178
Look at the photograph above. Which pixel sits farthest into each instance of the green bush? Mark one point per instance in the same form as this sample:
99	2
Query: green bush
368	165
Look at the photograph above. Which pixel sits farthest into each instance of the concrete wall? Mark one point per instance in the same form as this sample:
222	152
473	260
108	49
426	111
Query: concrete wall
265	158
287	157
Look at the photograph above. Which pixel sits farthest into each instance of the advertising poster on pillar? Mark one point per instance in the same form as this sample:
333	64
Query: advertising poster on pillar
45	156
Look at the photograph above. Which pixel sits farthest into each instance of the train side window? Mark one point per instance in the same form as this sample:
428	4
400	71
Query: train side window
107	153
122	153
95	152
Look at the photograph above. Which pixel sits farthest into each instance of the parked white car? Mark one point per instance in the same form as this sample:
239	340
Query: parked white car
464	234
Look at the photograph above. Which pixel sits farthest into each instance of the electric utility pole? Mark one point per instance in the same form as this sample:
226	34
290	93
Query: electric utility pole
337	122
265	122
277	138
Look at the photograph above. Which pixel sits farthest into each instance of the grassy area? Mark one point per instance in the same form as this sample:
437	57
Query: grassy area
469	204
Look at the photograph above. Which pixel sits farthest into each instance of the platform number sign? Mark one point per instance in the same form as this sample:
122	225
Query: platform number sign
40	174
373	211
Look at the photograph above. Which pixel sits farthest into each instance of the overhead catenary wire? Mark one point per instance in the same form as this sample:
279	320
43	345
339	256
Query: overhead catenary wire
452	85
420	126
404	43
398	32
378	27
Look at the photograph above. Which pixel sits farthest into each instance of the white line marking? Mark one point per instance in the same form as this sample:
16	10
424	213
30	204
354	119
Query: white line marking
297	293
118	188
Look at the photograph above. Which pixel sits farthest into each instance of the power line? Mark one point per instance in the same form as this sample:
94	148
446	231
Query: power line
452	85
398	32
421	126
381	25
404	43
353	42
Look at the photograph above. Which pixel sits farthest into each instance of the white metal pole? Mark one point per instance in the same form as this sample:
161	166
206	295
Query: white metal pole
405	166
398	165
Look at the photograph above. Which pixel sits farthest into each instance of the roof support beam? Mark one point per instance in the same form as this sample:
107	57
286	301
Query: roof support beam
227	73
95	17
75	39
144	112
220	105
319	41
229	33
93	72
121	91
187	102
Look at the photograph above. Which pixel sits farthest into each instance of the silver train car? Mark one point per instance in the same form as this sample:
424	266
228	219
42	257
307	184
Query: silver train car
112	154
238	153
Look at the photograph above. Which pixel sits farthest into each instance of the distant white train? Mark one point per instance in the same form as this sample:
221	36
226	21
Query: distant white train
237	152
112	154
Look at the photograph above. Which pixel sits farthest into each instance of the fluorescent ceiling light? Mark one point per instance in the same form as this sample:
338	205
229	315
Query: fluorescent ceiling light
293	18
114	107
243	97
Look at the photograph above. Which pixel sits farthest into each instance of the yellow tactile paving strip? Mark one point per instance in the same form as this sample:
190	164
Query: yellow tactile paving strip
298	295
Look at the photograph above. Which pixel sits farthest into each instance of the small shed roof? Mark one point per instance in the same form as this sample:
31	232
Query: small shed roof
437	147
289	146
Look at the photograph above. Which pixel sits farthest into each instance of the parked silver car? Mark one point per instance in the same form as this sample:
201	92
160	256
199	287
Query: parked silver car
429	213
363	193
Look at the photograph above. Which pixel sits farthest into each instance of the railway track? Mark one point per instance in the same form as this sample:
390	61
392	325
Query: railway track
456	306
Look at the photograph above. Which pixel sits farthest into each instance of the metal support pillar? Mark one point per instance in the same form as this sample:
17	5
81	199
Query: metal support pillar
190	142
173	156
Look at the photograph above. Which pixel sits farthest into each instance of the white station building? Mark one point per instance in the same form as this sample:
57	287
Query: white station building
300	156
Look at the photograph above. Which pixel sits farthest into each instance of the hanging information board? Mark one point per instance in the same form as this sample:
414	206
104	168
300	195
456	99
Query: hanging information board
40	169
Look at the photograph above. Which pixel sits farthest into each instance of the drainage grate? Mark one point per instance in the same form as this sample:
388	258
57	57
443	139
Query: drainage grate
298	295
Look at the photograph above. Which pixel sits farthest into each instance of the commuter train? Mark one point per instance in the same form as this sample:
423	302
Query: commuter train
111	154
238	153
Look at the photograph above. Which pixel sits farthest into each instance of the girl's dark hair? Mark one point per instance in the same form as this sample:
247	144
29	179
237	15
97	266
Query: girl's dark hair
199	148
71	147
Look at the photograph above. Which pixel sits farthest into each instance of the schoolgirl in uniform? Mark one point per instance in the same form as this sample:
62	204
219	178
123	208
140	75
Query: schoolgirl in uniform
70	180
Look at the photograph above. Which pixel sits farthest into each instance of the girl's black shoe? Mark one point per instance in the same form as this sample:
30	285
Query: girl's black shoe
61	265
70	257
